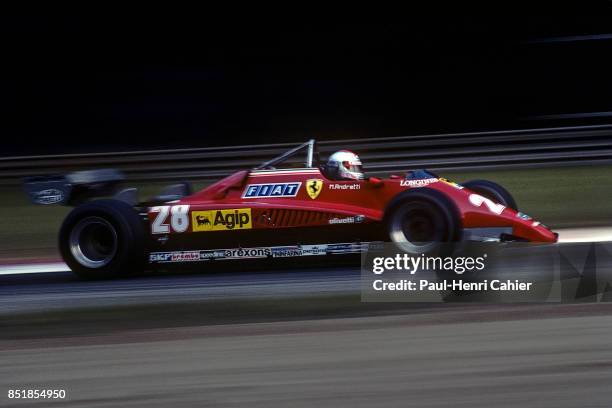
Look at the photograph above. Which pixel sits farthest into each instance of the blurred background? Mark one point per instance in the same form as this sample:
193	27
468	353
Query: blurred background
82	92
523	100
88	83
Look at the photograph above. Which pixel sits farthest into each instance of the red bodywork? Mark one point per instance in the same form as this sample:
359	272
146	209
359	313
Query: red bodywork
335	200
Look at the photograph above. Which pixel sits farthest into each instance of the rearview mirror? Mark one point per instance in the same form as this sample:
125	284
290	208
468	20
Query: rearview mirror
375	182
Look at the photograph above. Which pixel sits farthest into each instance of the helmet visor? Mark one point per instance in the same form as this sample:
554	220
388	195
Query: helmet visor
355	168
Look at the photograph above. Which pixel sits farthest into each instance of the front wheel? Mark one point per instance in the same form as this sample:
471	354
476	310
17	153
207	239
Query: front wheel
423	221
492	191
103	239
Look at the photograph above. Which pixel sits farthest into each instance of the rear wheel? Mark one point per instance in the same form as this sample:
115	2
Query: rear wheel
422	221
492	191
103	239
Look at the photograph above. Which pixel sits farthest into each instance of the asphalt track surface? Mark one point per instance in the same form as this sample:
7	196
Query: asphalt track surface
512	356
534	355
40	287
58	290
55	291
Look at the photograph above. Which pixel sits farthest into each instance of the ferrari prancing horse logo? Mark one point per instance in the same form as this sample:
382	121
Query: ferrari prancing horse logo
314	187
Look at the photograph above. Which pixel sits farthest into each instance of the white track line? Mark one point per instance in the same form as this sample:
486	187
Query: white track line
19	269
569	235
594	234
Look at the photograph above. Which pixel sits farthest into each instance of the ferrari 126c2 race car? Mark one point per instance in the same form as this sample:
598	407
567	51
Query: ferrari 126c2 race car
289	207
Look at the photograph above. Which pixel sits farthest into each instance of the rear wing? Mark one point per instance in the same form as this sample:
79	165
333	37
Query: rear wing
73	188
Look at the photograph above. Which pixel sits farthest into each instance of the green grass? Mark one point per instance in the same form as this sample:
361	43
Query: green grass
558	197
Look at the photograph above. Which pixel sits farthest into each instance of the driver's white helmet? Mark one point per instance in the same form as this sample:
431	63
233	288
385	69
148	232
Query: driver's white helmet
345	165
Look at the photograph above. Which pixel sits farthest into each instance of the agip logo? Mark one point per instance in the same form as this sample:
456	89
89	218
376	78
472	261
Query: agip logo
221	220
314	187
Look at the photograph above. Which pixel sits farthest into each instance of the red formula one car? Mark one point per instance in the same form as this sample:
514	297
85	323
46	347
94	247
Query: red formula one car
289	207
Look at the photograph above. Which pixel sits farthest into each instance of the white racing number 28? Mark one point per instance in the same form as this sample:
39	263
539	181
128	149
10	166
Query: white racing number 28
479	200
179	219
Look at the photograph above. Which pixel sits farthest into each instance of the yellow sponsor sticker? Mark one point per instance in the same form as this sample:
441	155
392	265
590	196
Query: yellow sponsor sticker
452	183
221	220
